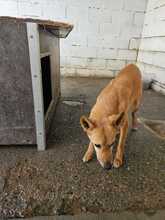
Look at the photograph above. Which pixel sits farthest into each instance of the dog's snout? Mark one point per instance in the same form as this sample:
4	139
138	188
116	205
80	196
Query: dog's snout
107	166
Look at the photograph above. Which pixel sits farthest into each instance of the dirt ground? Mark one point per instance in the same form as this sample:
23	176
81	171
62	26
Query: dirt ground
57	182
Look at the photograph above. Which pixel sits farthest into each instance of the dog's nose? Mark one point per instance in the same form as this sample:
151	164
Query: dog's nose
107	166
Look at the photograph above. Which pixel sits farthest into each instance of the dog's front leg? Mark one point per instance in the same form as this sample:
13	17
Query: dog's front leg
89	153
118	161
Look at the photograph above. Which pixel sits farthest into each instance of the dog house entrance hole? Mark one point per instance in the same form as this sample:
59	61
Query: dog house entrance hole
46	82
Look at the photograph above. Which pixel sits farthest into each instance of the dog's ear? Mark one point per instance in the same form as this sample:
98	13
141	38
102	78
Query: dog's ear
117	120
86	123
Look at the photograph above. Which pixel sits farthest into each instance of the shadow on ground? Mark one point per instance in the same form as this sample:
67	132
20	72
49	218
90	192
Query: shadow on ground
57	182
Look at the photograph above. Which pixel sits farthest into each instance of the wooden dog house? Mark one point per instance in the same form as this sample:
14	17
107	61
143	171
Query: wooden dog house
29	78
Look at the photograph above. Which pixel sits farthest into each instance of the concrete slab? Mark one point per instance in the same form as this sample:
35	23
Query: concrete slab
159	215
117	216
56	182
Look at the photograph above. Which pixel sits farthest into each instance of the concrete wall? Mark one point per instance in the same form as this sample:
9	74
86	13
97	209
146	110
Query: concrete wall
151	56
105	37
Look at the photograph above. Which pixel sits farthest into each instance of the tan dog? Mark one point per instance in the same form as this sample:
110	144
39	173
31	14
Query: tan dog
109	116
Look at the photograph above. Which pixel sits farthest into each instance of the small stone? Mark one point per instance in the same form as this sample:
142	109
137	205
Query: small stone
83	209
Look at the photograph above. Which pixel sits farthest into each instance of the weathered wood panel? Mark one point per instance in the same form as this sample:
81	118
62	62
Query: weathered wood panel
17	123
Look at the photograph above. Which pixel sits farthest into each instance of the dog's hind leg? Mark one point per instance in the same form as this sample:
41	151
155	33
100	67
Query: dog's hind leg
135	108
89	153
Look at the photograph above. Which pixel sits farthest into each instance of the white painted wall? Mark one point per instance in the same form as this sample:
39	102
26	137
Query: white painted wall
106	33
151	56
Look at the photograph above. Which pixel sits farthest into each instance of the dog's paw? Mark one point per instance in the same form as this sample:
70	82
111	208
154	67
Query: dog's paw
117	163
134	128
87	158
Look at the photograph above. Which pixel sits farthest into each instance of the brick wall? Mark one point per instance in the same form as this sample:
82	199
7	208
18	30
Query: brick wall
105	37
151	56
106	33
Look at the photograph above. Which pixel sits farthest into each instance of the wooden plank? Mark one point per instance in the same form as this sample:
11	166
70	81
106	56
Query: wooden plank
56	28
34	51
47	23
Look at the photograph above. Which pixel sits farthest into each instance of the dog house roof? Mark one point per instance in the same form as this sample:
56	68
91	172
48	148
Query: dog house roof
57	28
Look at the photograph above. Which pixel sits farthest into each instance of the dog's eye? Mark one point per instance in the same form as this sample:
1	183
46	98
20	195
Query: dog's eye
98	145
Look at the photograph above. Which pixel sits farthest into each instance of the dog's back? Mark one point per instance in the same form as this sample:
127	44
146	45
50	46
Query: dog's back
121	94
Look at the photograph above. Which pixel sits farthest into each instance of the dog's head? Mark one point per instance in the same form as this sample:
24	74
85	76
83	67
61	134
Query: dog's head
103	136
